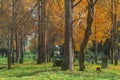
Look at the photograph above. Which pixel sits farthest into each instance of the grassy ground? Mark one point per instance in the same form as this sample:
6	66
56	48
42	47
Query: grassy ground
31	71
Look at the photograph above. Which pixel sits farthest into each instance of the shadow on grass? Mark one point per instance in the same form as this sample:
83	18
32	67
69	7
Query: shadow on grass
2	68
36	72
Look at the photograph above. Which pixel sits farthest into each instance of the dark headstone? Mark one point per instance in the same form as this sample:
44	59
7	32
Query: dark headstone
57	63
104	61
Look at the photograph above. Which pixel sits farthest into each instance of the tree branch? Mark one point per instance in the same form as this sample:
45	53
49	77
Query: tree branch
92	3
59	5
77	3
77	19
95	2
73	0
34	7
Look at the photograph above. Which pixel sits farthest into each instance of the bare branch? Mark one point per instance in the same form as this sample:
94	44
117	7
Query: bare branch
95	2
77	19
59	5
77	3
73	0
92	3
34	7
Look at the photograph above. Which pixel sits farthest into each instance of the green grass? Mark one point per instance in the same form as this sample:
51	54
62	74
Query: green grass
31	71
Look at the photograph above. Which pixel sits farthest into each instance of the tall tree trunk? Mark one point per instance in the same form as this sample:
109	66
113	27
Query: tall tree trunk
88	32
21	50
96	47
68	44
16	43
96	51
15	33
44	31
41	32
115	33
12	30
17	48
9	52
112	48
10	56
112	36
39	52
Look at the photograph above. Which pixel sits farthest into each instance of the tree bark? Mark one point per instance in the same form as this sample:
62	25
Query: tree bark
9	52
96	47
41	32
17	48
115	33
96	52
39	52
68	44
21	50
112	36
112	48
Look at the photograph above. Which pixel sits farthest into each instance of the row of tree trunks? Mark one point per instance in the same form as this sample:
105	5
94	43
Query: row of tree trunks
19	46
114	33
15	40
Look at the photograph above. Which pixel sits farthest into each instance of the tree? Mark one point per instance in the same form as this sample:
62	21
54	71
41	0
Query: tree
10	43
68	39
96	48
112	39
41	32
115	32
88	32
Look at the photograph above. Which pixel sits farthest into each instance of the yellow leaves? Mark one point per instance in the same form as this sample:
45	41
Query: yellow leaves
80	10
102	20
77	47
59	42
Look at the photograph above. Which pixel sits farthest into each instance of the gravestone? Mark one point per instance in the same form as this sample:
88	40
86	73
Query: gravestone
57	59
57	63
104	61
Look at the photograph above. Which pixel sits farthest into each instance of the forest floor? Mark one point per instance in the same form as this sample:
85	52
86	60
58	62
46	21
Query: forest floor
31	71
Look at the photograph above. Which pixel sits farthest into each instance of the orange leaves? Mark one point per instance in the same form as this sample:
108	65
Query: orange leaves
102	20
77	47
27	0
